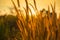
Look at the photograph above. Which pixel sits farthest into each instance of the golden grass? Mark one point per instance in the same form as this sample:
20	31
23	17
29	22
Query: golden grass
39	28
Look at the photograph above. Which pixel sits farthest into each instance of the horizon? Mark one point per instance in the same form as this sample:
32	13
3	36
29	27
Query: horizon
4	4
40	5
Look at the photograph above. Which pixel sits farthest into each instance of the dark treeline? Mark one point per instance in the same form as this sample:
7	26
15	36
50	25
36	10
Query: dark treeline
8	28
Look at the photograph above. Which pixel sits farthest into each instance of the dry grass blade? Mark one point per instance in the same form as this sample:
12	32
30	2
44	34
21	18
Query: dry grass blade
52	13
32	6
50	21
31	14
27	15
48	9
18	3
24	9
26	5
48	12
54	19
52	7
15	7
30	11
35	4
20	27
53	10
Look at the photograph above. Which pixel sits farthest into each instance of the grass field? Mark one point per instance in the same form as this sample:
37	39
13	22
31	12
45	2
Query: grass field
41	25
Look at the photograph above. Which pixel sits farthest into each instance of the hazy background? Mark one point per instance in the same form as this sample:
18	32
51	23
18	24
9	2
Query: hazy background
40	4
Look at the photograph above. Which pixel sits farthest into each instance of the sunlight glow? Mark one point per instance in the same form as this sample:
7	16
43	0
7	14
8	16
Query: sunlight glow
33	11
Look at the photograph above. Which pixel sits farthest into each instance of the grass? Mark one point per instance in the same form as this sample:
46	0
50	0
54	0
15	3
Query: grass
37	28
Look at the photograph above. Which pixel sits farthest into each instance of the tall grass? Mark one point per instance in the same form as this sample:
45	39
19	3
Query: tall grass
37	28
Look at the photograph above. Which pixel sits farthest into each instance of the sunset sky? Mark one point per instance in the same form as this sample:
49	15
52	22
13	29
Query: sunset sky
40	4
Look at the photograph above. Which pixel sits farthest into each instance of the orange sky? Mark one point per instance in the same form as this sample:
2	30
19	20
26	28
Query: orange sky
40	4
